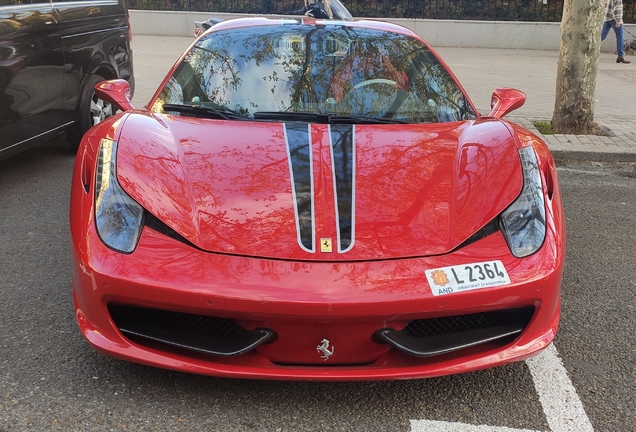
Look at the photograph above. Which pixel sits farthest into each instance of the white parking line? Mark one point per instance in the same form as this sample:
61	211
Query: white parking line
439	426
561	405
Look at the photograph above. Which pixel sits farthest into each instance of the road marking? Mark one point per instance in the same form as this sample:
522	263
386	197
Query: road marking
561	405
440	426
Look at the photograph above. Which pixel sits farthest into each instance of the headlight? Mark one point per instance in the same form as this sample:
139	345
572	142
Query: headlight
523	223
117	216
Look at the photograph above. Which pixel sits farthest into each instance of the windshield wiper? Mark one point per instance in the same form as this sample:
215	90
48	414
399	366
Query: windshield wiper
324	118
207	111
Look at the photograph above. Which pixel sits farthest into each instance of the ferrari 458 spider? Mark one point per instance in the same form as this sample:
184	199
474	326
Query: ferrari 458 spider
315	199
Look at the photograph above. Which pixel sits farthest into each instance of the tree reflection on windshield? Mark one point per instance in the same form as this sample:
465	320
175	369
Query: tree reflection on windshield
317	69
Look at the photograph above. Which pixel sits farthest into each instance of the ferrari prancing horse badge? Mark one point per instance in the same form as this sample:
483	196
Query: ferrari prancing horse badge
325	245
324	349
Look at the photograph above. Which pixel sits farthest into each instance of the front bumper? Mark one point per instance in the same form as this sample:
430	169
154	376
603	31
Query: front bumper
305	303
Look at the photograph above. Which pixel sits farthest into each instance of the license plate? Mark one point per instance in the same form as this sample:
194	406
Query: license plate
466	277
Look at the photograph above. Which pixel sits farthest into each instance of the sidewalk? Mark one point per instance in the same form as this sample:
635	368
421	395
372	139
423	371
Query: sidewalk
534	72
481	71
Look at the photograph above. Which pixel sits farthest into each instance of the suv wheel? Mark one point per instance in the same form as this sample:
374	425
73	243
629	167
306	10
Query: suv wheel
92	110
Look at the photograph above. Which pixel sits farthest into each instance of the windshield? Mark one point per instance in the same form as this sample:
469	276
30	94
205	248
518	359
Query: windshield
330	69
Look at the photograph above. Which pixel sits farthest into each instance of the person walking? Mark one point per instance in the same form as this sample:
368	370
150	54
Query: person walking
614	19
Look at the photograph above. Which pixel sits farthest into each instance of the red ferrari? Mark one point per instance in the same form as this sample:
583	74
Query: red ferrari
315	199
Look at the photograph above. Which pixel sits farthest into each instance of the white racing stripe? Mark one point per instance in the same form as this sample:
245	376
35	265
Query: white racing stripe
561	405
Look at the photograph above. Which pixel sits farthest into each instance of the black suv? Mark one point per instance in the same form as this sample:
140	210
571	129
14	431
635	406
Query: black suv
52	53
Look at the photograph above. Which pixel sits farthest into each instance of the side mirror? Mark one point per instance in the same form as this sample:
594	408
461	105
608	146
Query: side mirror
505	100
117	92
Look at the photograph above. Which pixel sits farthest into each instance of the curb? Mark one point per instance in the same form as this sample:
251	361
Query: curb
620	147
591	156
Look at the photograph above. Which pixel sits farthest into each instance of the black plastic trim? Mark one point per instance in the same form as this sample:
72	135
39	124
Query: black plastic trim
490	228
442	335
153	222
201	333
214	345
442	344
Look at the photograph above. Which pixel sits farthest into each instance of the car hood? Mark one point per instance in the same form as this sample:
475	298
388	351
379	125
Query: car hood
319	192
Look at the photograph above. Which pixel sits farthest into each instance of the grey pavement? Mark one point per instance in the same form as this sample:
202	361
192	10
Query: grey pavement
481	71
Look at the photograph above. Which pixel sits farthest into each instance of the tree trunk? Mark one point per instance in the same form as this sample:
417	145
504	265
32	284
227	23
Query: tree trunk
578	63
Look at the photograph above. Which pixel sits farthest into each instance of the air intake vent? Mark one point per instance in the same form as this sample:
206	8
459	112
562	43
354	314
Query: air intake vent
201	333
153	222
435	336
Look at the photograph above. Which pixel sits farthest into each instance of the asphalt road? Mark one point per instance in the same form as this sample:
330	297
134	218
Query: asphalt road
596	338
51	379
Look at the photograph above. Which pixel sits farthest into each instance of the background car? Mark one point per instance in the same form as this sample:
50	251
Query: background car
51	56
315	199
323	10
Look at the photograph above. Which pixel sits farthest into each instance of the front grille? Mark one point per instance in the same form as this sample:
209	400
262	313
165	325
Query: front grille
464	323
201	333
436	336
176	321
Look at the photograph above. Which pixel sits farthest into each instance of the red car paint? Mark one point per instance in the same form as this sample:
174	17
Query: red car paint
444	172
421	190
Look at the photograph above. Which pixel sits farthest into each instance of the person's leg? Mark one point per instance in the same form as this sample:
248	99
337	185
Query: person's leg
605	30
620	41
